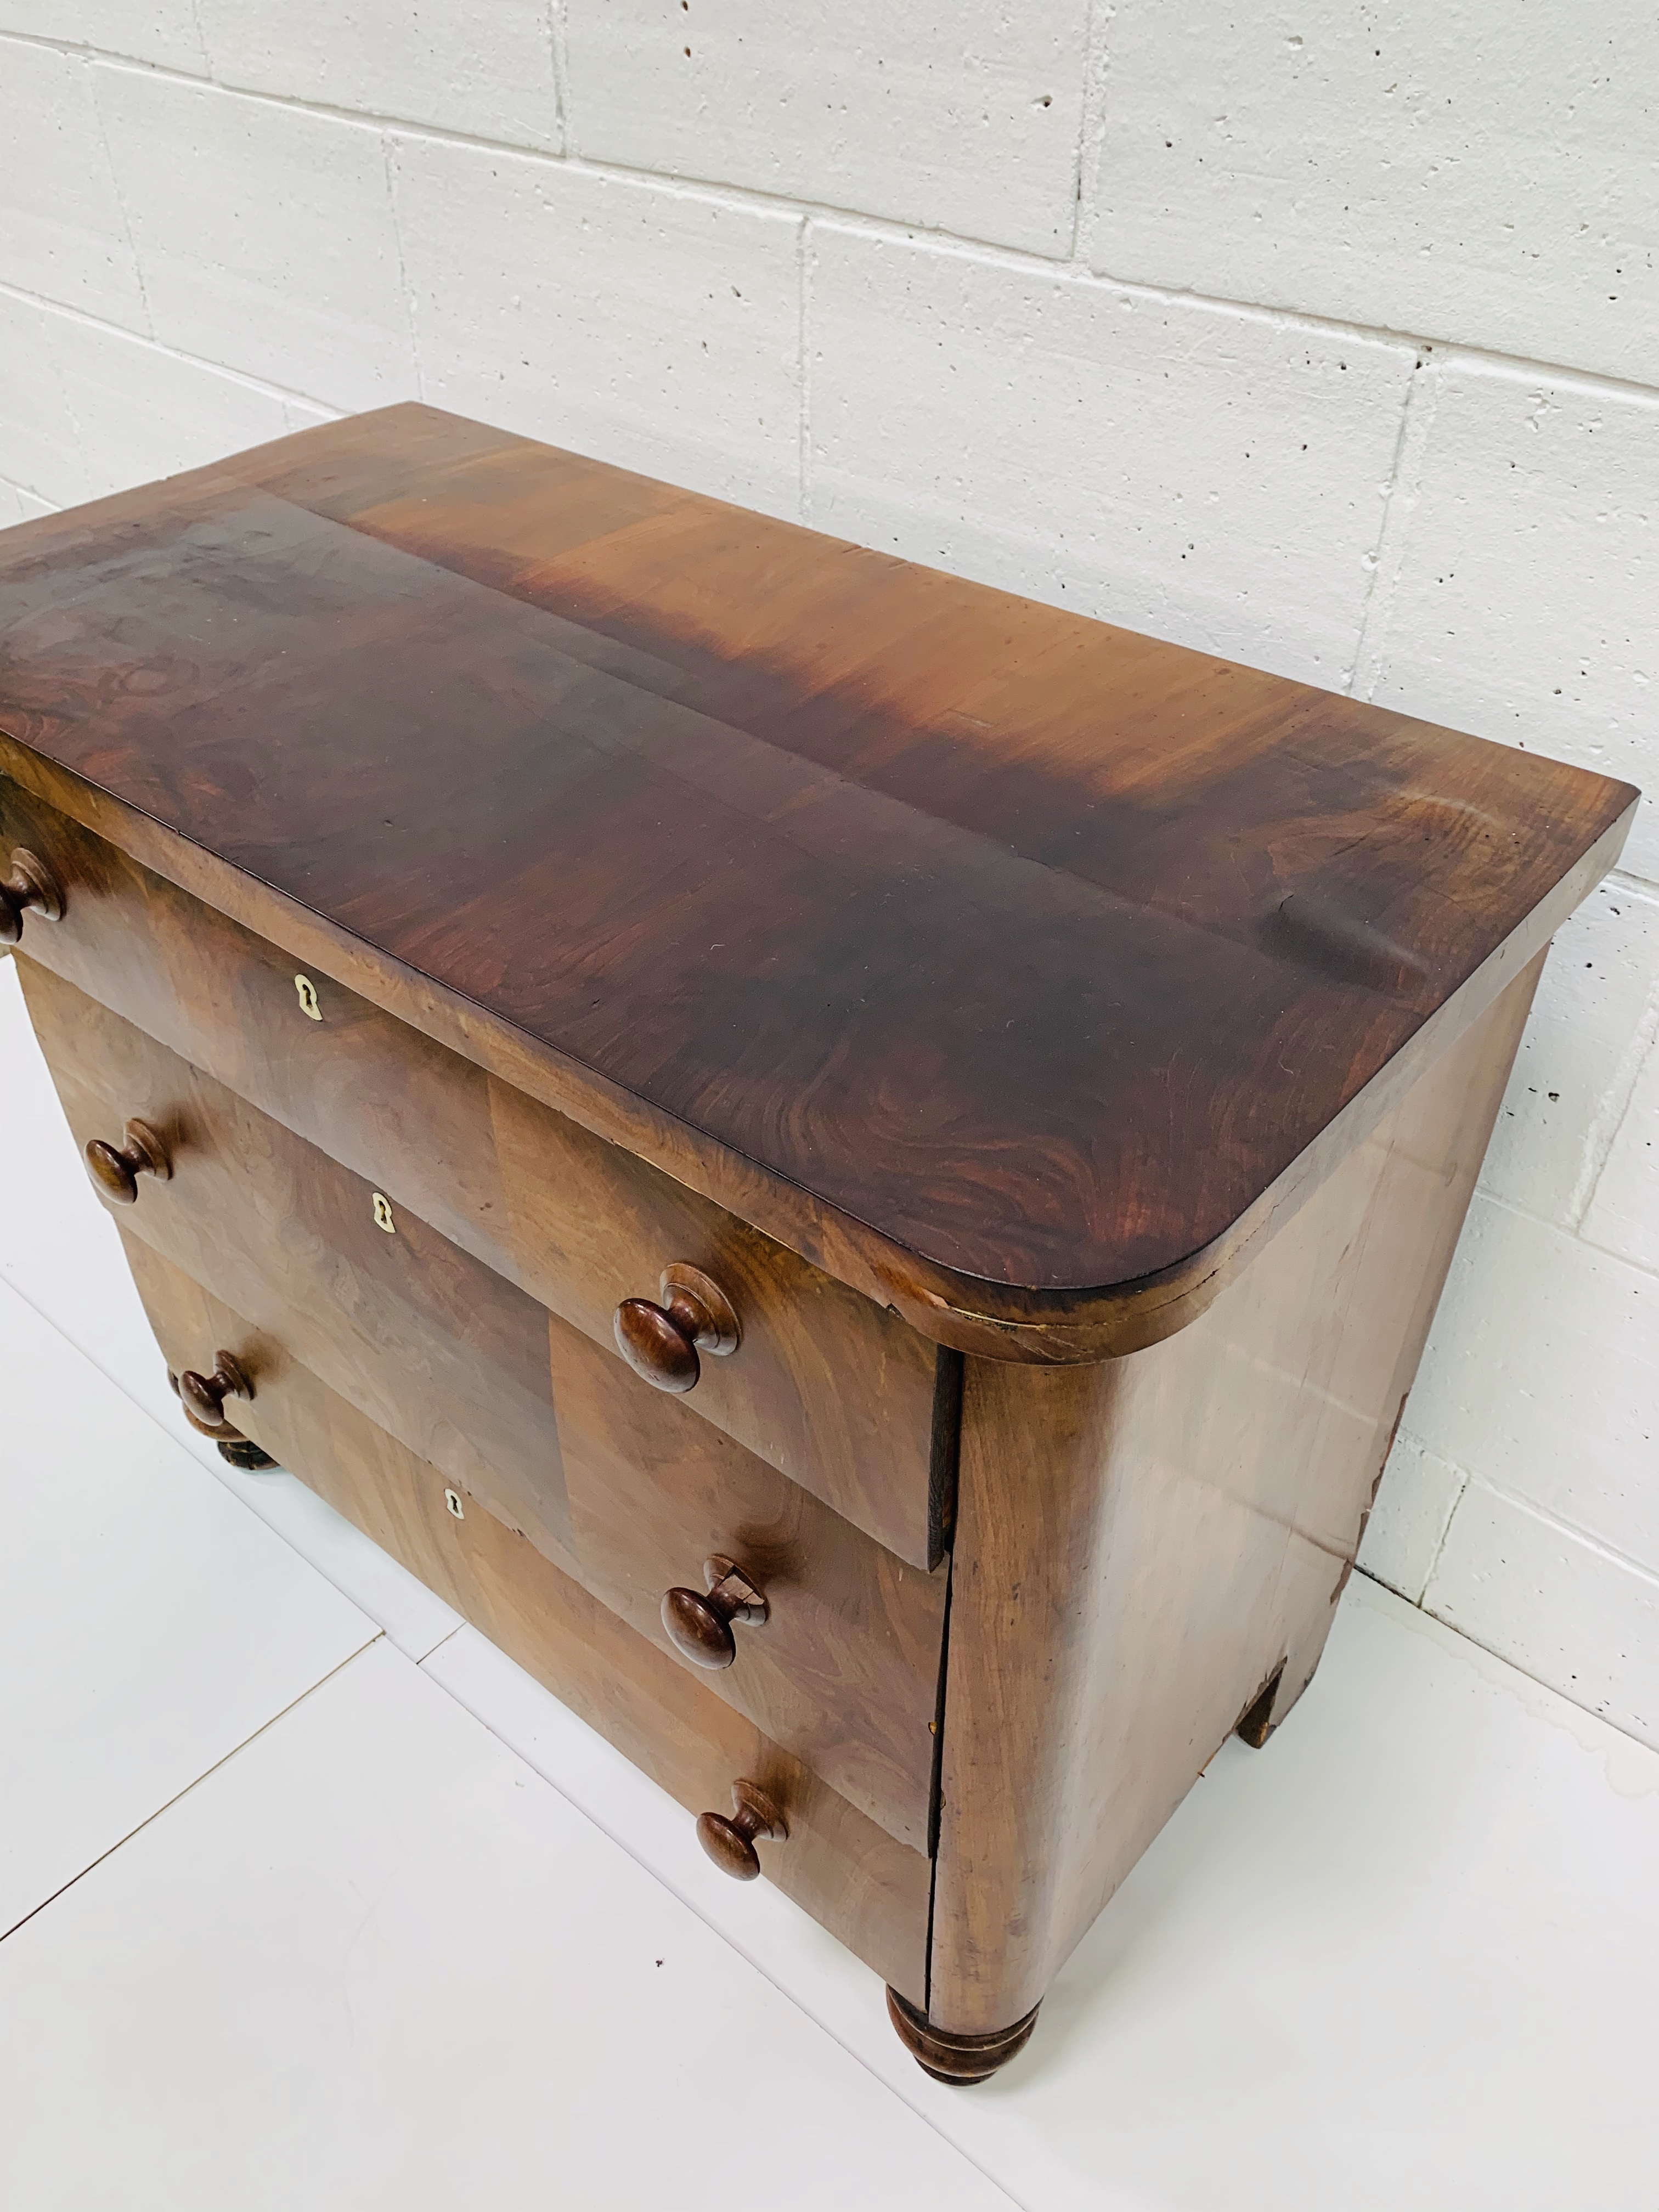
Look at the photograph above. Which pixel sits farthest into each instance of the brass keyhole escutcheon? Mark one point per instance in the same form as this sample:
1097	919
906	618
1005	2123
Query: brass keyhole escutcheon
307	992
382	1213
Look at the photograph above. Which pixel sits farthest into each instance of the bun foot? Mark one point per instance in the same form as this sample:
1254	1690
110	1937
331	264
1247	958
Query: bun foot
955	2059
243	1452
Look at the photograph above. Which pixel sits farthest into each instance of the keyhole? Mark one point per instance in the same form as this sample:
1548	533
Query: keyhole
383	1215
307	991
454	1504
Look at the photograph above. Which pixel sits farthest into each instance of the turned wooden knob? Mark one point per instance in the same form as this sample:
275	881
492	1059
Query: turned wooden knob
204	1395
701	1627
117	1173
31	884
731	1844
661	1342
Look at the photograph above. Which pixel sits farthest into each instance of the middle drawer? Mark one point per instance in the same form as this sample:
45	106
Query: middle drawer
625	1489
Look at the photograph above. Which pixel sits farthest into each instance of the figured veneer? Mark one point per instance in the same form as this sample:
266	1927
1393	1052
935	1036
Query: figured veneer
867	1889
446	1354
627	1488
838	1393
1171	1532
879	904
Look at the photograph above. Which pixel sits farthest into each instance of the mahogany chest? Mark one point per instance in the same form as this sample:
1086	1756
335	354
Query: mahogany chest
854	1168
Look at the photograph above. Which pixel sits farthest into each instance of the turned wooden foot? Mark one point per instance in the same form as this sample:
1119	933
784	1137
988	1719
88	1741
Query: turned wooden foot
955	2059
1258	1720
243	1452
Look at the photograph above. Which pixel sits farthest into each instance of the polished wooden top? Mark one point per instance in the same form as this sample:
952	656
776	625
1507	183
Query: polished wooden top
1037	949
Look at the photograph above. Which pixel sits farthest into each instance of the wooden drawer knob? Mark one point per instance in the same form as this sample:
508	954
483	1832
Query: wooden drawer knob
30	884
731	1844
117	1173
662	1342
701	1627
204	1395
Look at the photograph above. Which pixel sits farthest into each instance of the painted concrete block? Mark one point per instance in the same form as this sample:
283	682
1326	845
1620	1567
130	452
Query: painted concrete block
1523	606
265	236
39	445
486	77
1203	474
143	412
1589	1029
963	118
1408	1522
1457	172
1566	1612
649	327
1623	1215
1542	1377
163	32
62	234
85	410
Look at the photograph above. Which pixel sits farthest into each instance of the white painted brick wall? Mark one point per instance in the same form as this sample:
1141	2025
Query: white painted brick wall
1325	338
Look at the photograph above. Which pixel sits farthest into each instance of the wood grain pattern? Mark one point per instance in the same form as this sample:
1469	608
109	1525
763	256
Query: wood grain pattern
1143	1545
627	1490
845	1673
446	1355
999	958
868	1890
832	1389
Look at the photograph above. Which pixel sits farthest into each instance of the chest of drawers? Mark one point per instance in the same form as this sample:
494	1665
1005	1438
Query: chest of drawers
854	1169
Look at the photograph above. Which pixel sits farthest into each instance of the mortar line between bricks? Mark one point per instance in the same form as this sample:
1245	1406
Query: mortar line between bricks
1562	1228
406	292
1573	1531
804	341
1447	350
259	384
1465	1478
1610	1116
557	46
1394	529
121	202
1091	130
201	36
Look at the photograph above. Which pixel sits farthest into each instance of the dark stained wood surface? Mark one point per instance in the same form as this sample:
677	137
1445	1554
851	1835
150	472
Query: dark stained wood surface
1143	1545
1039	949
869	1891
828	1387
845	1672
626	1488
434	1346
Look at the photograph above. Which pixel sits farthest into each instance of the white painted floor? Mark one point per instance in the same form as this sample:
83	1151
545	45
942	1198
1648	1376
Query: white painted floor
314	1901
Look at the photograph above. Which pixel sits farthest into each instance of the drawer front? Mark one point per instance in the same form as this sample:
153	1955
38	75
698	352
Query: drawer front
624	1488
869	1891
834	1390
447	1356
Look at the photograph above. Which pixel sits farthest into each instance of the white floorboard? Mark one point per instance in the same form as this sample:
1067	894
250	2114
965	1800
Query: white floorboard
148	1624
374	1961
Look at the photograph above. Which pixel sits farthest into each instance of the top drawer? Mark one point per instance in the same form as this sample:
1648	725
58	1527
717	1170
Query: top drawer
835	1391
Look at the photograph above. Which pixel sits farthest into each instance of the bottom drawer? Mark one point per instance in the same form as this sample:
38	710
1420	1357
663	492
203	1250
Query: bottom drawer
868	1890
